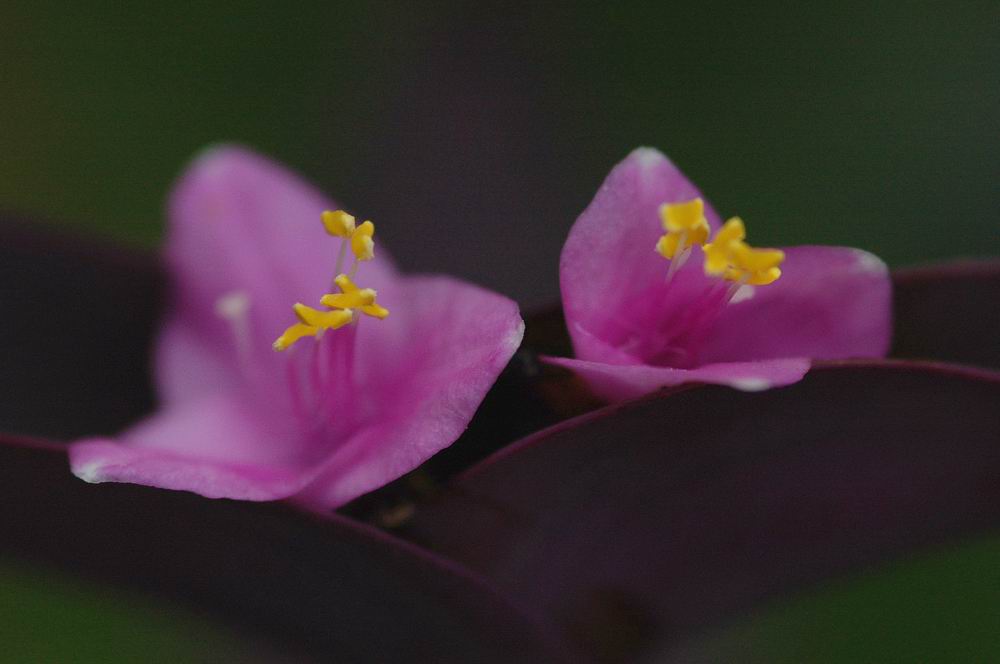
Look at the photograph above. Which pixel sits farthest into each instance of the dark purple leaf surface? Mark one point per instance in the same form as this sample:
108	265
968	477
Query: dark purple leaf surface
328	590
639	525
949	312
75	334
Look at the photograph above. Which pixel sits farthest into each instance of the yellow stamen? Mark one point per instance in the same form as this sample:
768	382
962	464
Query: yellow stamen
718	250
324	320
342	305
352	300
729	256
685	225
311	322
350	290
293	334
361	242
338	223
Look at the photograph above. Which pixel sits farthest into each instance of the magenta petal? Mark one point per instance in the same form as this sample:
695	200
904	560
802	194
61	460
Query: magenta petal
216	447
610	252
619	382
426	375
830	303
241	223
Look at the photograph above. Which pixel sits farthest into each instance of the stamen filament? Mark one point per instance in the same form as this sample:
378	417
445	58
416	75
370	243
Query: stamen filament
679	259
340	256
734	288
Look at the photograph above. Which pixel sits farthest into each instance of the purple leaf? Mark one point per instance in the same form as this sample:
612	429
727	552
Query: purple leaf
78	316
949	312
640	524
333	590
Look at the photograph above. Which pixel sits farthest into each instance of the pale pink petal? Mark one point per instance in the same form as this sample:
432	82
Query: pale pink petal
420	375
830	303
216	447
240	223
617	382
609	265
189	368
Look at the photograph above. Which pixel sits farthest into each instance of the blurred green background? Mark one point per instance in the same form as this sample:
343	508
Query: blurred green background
475	136
48	616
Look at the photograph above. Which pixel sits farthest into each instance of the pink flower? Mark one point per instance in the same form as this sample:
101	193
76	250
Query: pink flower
340	413
647	310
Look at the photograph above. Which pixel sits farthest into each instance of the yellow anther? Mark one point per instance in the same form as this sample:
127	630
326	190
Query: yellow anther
338	223
729	256
345	284
757	267
350	290
685	225
361	242
718	251
351	298
325	320
375	311
686	216
356	298
293	334
311	321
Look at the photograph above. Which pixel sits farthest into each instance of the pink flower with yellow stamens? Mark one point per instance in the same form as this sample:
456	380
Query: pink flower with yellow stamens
657	292
348	404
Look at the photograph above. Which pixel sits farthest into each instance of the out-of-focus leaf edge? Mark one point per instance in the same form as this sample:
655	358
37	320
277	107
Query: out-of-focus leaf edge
949	312
578	520
322	588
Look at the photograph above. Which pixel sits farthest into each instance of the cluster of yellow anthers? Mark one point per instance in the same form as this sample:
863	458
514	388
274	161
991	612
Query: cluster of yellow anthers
340	306
728	255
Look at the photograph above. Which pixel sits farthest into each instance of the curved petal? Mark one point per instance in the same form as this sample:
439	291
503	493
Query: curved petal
241	223
609	261
618	383
589	346
424	378
217	447
830	303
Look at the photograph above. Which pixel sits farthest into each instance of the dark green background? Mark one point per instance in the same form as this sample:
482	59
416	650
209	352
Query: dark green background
474	137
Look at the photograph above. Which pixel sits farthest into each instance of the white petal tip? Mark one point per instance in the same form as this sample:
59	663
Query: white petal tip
648	158
515	338
750	384
90	472
869	263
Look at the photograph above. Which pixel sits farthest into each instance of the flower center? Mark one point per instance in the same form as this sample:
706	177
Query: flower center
727	257
340	306
319	379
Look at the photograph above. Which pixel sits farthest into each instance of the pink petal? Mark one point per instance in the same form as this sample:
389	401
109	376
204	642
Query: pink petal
830	303
189	365
591	347
422	374
216	447
618	382
609	262
241	223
